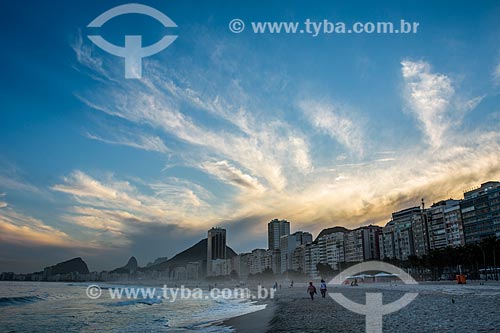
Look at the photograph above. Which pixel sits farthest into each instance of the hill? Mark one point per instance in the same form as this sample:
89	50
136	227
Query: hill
130	267
197	252
332	230
69	266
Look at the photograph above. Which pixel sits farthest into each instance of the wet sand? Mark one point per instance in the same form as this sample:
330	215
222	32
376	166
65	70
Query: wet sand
254	322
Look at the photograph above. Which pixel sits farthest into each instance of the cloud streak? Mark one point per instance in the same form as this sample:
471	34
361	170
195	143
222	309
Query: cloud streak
117	209
229	174
270	162
334	121
17	228
428	95
144	142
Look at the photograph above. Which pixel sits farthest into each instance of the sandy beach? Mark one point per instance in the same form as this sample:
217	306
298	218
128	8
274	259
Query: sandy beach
442	307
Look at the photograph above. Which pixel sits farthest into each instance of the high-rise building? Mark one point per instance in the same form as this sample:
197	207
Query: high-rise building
405	235
288	243
241	265
481	212
353	246
216	244
362	244
387	242
275	260
311	259
259	261
371	248
275	229
454	226
331	248
216	250
298	259
444	224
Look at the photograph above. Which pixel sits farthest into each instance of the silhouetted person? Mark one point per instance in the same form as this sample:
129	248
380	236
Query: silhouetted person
311	290
322	288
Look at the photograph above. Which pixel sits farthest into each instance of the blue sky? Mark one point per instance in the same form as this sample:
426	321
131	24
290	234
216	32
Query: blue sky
234	129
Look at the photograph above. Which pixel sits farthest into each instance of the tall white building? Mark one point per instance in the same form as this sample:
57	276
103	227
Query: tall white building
331	249
311	259
259	260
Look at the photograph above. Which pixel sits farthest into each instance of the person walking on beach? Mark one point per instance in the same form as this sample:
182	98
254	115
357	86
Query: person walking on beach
322	288
311	290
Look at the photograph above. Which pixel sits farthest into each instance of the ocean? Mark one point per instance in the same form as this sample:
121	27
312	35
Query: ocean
65	307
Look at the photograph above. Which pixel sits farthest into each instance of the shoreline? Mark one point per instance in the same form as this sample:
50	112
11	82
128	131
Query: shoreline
253	322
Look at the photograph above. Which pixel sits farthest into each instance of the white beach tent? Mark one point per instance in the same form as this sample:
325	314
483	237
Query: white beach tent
360	277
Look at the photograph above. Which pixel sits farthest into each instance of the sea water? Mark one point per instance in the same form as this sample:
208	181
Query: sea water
65	307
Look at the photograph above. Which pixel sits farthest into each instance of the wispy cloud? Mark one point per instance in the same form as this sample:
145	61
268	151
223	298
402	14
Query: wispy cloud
232	175
86	55
12	178
264	148
335	122
496	73
429	97
432	99
18	228
267	159
119	208
139	141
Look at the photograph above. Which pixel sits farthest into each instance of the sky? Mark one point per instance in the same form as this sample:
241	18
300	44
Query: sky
234	129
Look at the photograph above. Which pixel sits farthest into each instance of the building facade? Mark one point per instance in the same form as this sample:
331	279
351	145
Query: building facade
275	230
288	244
216	250
311	259
480	210
444	223
331	249
454	226
405	235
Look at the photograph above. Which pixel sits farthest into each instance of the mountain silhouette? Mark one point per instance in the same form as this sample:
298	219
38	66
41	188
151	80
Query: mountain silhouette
130	267
69	266
197	252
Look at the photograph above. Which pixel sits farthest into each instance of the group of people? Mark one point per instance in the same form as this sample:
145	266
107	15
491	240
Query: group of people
312	289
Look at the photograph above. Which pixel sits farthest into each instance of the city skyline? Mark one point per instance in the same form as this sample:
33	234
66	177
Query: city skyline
411	232
341	131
